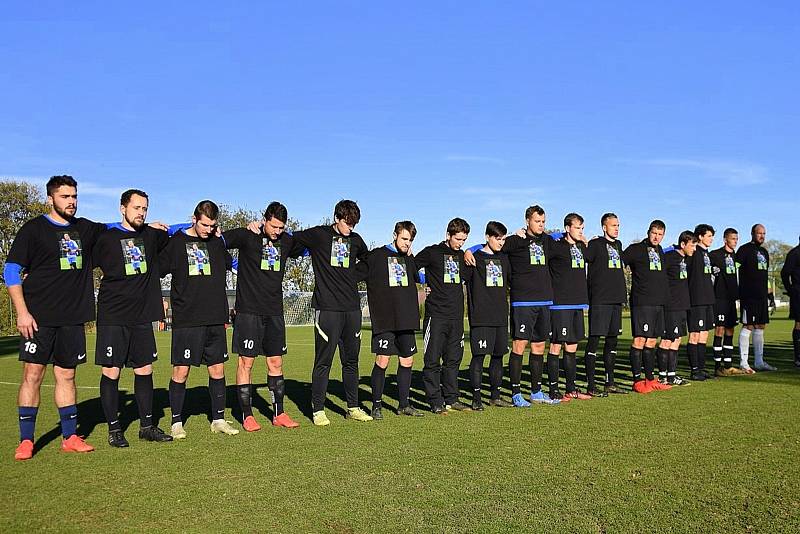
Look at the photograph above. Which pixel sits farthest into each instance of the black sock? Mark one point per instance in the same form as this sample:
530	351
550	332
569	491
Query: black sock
727	350
277	390
610	358
515	372
495	375
718	352
245	399
552	372
672	366
691	353
476	374
636	363
536	364
143	391
701	356
796	343
378	381
663	361
590	362
177	392
649	358
403	385
109	398
570	370
216	389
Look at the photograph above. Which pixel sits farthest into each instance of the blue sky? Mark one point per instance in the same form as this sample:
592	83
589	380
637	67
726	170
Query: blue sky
683	111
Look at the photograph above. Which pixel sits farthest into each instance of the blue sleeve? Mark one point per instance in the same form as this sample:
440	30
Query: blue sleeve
422	276
175	228
669	249
11	274
557	235
475	248
235	265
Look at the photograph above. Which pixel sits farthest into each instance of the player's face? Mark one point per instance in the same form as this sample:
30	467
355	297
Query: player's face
273	228
204	227
731	240
135	212
759	234
536	224
655	235
343	227
65	201
611	228
495	243
457	241
402	241
575	231
706	239
689	247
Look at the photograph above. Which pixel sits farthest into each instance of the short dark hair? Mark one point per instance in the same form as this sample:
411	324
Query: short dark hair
753	228
687	236
571	218
57	181
496	229
127	195
277	210
408	226
607	216
457	225
703	229
537	209
658	224
728	231
207	208
347	211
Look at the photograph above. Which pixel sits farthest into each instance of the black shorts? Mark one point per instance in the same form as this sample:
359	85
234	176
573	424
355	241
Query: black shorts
567	326
199	345
701	318
530	323
125	346
258	335
676	324
489	340
64	346
755	311
794	306
605	320
647	321
401	343
725	313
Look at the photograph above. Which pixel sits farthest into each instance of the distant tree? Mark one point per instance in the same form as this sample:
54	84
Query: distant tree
19	202
777	256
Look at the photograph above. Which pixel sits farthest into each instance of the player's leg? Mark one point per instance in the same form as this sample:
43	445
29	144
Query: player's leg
28	407
244	391
378	382
66	398
522	322
480	339
349	350
758	349
453	354
215	354
142	353
327	331
406	345
109	400
247	342
540	331
433	346
186	352
748	325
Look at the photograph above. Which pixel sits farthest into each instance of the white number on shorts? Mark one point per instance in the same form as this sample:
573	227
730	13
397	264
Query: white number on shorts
383	343
564	331
481	343
30	347
676	329
109	352
522	328
248	343
645	327
700	322
720	317
187	354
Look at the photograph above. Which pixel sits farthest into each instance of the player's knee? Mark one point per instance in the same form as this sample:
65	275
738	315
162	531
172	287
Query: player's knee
216	371
64	375
144	370
246	363
180	373
33	374
113	372
382	361
407	362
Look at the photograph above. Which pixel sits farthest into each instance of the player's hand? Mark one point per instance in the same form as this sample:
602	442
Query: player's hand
772	306
469	258
427	291
255	227
522	232
26	325
158	225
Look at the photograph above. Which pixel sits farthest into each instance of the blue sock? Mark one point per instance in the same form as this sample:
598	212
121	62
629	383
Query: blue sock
69	420
27	422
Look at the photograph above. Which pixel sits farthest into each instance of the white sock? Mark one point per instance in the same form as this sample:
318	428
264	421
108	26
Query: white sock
744	347
758	346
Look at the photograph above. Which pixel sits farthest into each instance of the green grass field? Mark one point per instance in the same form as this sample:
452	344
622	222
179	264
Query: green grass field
719	456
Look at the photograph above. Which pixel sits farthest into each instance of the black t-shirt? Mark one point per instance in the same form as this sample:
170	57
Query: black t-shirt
57	258
649	283
790	273
530	272
677	268
487	290
753	271
130	290
198	269
606	278
726	281
262	265
444	273
333	257
391	289
568	272
701	283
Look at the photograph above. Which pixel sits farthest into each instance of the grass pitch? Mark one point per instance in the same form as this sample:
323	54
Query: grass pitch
719	456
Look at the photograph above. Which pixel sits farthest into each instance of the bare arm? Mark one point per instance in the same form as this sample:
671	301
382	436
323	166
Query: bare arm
26	324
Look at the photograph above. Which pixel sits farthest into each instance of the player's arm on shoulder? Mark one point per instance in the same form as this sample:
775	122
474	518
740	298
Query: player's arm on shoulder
235	238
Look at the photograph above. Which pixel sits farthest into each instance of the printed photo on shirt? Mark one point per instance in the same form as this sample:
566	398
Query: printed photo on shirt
537	254
134	256
684	273
270	255
340	252
452	275
577	257
706	264
398	275
654	259
198	258
730	265
762	261
71	256
614	260
494	274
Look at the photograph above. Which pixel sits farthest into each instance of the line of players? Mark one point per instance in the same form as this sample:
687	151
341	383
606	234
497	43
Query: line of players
549	281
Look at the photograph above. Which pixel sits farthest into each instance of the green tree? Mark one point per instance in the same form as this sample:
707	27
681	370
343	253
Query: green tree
777	256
